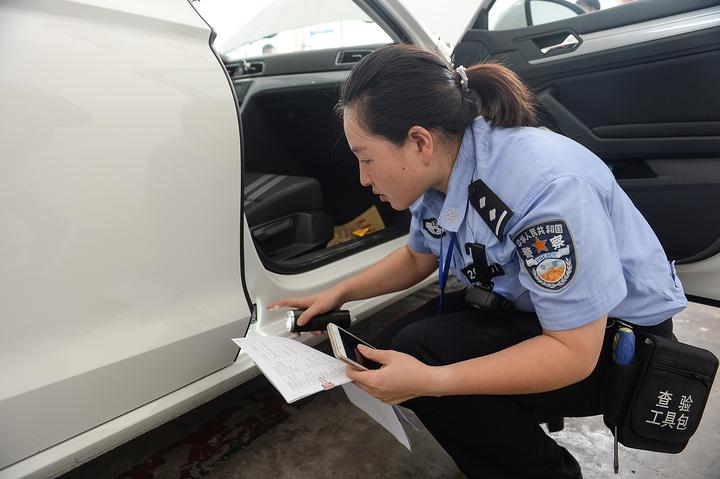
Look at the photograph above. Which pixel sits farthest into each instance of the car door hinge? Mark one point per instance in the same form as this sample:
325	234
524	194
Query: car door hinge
253	313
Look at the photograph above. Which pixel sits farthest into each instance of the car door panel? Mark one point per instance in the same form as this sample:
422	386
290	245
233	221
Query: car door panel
639	90
120	215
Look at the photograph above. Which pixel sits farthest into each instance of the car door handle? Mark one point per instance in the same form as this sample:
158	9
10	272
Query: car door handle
567	44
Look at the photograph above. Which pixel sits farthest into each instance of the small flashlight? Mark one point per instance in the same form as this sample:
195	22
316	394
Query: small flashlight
341	317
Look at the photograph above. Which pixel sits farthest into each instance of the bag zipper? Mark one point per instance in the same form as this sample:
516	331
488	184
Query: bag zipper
690	374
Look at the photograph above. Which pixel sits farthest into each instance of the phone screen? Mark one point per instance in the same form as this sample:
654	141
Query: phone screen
350	344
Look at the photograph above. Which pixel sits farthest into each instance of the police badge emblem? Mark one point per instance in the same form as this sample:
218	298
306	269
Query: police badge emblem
548	253
431	226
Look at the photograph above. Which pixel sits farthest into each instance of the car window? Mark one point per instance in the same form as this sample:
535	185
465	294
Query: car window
267	27
509	14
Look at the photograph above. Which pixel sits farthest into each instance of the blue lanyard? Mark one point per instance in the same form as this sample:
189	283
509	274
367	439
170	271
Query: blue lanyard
445	268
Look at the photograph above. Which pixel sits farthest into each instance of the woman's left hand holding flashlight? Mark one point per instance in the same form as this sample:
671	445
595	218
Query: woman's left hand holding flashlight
313	305
401	377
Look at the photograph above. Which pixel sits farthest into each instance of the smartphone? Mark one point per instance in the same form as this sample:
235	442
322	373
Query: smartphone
345	345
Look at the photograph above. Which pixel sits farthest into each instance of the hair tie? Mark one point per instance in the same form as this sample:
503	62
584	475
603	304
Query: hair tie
463	78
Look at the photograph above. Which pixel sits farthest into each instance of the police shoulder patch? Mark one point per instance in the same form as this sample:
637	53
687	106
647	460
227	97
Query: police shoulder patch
548	253
431	226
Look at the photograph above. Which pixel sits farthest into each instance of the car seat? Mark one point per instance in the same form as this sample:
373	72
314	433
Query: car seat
286	214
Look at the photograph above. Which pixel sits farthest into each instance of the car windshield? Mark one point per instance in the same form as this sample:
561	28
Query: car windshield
264	27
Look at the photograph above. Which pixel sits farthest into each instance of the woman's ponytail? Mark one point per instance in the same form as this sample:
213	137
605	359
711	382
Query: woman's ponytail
501	96
399	86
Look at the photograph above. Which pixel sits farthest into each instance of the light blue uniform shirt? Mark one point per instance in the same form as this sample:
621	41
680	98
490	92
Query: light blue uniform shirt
573	246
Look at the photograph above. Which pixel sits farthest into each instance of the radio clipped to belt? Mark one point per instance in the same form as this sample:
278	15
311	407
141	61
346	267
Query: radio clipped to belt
481	295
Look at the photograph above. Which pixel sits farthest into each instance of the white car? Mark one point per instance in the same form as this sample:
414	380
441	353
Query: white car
159	186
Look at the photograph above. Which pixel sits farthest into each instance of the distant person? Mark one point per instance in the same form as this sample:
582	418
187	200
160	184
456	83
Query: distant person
269	49
589	6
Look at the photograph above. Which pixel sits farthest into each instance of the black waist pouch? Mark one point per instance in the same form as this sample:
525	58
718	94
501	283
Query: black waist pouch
657	401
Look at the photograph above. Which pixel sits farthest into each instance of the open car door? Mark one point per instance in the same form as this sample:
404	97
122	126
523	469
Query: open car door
637	84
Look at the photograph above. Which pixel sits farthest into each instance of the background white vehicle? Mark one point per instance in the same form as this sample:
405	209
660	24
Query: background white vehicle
141	227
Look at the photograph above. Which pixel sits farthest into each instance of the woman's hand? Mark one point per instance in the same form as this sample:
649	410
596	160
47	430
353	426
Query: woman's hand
401	377
315	304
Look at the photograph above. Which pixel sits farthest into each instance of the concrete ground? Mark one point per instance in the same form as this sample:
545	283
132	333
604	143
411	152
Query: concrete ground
251	432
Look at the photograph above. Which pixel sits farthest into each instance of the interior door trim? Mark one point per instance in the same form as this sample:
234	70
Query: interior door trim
619	147
640	33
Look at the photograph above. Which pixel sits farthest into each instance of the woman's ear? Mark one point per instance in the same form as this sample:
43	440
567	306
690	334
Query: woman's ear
421	142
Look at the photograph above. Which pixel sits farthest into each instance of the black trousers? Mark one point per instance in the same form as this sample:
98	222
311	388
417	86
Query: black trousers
494	436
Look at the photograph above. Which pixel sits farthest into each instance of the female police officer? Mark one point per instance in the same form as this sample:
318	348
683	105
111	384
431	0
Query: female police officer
533	220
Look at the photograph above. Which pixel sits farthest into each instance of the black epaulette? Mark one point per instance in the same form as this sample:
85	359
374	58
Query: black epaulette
491	209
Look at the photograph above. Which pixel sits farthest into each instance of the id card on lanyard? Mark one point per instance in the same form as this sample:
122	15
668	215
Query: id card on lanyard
444	268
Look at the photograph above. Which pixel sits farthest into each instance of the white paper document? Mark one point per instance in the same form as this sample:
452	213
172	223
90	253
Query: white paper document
297	371
383	413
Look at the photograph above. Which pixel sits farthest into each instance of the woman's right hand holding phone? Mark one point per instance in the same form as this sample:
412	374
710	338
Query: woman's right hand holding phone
314	304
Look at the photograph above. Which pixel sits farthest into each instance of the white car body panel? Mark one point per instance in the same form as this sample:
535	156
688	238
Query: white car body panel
120	214
701	279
